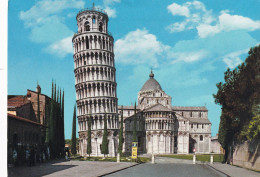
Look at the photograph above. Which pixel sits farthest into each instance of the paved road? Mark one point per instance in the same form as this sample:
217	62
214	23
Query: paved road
68	169
169	167
167	170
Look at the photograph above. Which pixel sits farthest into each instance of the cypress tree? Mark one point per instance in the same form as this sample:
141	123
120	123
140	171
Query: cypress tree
58	122
73	137
134	128
47	118
104	146
52	89
51	126
89	148
55	153
38	104
54	92
120	145
62	123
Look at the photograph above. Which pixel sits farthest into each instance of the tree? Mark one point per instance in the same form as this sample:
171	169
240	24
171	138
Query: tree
134	128
120	145
62	123
38	104
89	148
73	137
47	118
104	145
237	96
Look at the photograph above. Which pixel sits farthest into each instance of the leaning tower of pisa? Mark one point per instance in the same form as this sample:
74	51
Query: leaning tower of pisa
95	80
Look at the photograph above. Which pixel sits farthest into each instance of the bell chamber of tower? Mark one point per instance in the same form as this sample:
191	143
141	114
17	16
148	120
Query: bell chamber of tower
95	80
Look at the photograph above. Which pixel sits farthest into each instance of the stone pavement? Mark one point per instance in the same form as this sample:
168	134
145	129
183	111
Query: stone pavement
234	171
69	168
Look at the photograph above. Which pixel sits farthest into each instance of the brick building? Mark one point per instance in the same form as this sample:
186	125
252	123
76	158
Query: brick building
23	128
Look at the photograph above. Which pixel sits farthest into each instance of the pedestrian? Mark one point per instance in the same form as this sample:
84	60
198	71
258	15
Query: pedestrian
27	156
14	156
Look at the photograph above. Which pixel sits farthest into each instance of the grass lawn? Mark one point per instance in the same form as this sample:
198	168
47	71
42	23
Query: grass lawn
199	157
110	159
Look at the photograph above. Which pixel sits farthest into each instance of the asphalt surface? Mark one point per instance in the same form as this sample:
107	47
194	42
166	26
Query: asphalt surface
167	170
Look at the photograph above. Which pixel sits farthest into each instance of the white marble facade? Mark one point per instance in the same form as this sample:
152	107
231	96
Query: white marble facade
95	80
166	129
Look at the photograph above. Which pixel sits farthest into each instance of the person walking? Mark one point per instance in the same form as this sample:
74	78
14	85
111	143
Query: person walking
27	156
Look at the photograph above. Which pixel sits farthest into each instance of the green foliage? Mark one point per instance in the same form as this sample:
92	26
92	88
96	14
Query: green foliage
38	107
120	145
252	131
62	123
104	145
199	157
134	128
111	159
47	118
89	147
237	96
73	137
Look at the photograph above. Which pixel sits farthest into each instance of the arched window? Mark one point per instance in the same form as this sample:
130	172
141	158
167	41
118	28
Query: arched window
86	26
100	27
201	138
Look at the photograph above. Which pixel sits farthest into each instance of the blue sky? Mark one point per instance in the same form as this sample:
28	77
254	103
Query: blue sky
189	45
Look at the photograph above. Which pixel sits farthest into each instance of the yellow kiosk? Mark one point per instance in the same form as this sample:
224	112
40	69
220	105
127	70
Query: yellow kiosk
134	150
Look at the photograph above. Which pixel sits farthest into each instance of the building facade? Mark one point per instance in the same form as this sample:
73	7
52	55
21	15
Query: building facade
95	80
161	127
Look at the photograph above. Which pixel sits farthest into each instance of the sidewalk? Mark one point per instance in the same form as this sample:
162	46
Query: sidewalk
69	168
233	171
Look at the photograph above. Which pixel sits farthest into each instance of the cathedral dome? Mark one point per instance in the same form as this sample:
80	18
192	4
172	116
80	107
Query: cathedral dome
151	84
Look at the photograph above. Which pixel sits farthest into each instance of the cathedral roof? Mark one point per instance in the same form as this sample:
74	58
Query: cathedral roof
189	108
158	107
151	84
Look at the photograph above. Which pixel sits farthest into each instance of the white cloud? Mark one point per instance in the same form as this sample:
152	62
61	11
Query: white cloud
198	17
177	9
227	22
194	12
233	59
188	57
107	6
110	12
205	30
139	47
45	19
177	27
45	8
61	48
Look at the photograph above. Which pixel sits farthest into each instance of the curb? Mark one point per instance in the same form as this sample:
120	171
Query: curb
118	170
217	170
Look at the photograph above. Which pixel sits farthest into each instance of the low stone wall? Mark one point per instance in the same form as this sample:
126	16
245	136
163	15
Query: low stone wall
247	155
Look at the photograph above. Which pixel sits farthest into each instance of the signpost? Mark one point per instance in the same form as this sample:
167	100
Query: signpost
134	150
